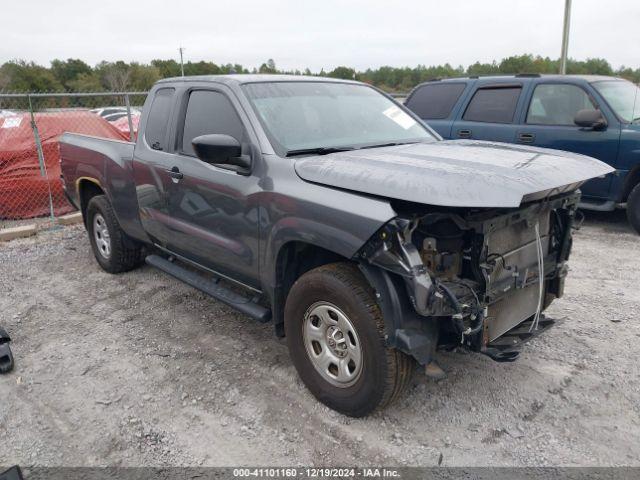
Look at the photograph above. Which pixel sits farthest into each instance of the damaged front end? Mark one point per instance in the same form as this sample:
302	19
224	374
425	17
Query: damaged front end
480	278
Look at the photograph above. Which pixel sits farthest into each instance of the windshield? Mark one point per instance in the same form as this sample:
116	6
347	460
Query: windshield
300	117
623	97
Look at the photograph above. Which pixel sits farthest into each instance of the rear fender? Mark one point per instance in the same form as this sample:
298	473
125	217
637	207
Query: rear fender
107	164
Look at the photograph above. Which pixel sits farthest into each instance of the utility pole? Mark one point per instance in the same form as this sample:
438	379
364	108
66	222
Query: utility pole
565	37
181	49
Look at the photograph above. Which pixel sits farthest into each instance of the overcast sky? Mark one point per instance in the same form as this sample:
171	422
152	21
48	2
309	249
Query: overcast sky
317	33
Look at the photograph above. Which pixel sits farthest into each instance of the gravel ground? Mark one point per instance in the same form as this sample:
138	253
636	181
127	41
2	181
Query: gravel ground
138	369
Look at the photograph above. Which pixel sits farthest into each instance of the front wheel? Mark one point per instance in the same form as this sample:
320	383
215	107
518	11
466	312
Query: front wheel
633	208
335	334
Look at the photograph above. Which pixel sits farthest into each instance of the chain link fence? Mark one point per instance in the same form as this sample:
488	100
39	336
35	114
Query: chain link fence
30	128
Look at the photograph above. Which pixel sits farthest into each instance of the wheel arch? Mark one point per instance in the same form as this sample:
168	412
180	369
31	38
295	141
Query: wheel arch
630	182
87	188
293	260
405	330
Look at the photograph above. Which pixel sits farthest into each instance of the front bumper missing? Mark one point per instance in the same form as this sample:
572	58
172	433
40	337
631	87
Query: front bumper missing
487	307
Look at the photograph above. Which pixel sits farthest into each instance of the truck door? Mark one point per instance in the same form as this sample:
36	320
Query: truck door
214	212
436	104
490	114
151	167
549	123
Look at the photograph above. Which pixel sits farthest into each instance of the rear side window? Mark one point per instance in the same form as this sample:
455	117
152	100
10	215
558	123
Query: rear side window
156	130
209	112
493	105
435	101
557	104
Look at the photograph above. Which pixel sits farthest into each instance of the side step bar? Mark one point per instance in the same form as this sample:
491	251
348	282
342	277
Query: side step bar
214	289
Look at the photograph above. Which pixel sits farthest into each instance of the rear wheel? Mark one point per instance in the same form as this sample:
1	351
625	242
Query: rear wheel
114	251
335	334
633	208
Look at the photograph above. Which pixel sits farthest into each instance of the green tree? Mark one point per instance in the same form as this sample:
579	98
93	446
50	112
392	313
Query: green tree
269	67
233	68
142	77
483	68
527	64
67	71
624	72
29	77
517	64
85	82
343	72
201	68
75	74
114	76
5	79
167	68
592	66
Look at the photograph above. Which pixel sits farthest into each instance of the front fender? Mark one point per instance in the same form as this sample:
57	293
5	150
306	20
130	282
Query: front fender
334	220
405	330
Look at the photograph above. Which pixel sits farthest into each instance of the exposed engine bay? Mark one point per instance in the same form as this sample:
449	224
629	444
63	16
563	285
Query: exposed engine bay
473	274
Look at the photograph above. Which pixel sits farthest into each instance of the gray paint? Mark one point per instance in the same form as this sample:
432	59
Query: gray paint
453	173
232	224
109	163
294	210
237	225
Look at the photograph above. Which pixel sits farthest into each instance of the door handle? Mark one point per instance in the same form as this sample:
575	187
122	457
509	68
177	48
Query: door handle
175	173
464	133
526	137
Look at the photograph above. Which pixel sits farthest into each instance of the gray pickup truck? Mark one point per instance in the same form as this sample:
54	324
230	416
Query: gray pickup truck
329	209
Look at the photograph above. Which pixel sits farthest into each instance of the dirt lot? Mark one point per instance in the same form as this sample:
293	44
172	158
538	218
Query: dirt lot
138	369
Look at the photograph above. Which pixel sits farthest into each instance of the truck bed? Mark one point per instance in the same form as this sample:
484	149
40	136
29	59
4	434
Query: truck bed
107	165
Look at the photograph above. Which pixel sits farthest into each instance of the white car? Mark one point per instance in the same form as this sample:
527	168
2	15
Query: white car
113	113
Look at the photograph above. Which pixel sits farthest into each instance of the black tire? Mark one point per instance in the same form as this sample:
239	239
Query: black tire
633	208
125	253
385	372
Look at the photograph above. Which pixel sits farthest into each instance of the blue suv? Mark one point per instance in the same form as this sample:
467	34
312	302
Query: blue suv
594	115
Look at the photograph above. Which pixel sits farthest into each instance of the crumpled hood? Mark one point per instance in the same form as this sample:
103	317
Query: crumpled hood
455	173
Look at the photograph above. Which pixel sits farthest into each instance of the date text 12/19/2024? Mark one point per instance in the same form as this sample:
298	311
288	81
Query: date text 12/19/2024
293	472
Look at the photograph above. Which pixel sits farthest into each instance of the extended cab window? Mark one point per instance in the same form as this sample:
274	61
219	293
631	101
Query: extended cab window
158	119
435	101
493	105
209	112
557	104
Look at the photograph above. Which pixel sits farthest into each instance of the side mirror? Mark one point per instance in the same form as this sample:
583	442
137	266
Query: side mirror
220	149
590	118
